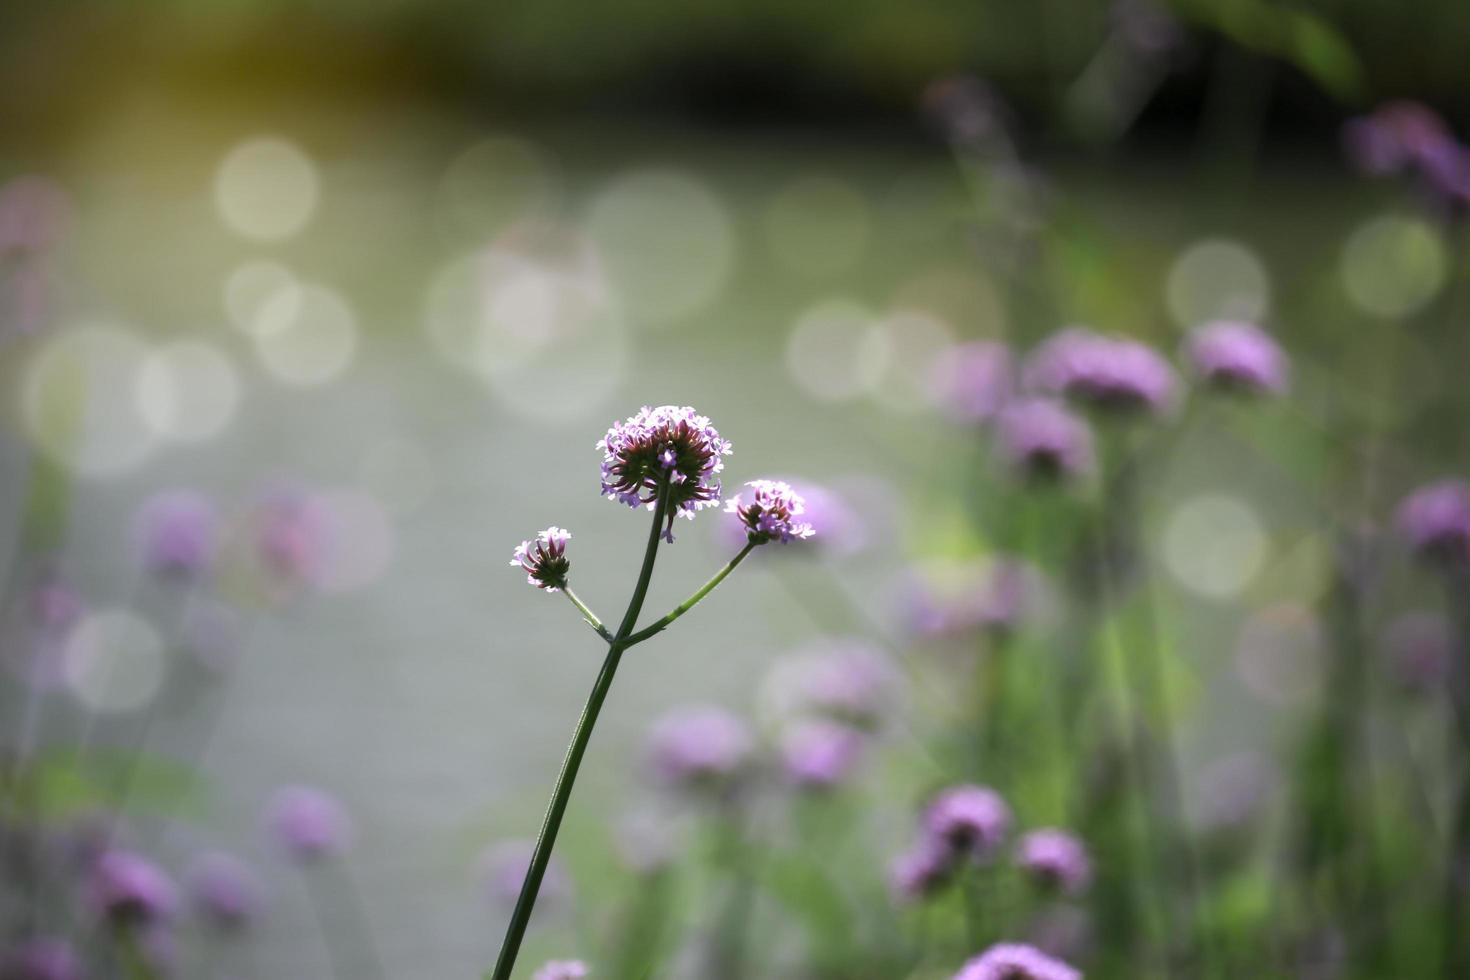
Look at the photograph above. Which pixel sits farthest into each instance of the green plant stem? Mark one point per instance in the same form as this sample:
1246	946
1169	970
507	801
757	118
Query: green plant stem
690	602
521	916
588	614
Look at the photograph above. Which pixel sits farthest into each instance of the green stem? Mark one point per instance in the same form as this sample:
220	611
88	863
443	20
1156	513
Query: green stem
521	916
588	614
690	602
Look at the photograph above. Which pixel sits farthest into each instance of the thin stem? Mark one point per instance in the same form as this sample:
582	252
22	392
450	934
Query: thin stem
690	602
587	614
521	916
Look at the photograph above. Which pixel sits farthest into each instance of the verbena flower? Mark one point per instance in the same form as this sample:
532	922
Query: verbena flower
562	970
1409	138
699	747
224	889
43	958
922	870
1055	860
837	528
308	824
1016	961
770	514
819	754
129	891
176	532
544	558
669	444
971	819
1043	441
1436	521
1112	373
293	534
1236	356
843	680
972	381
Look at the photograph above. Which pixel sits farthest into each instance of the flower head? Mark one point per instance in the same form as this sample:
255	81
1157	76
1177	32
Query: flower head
1043	441
1056	860
819	754
770	514
128	890
1236	356
971	819
308	824
922	870
698	746
1436	521
176	534
545	558
972	381
224	890
293	534
41	959
1104	372
562	970
666	446
1016	961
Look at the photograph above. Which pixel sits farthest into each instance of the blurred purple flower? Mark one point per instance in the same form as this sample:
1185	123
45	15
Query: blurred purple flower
1043	441
293	534
1419	647
845	680
225	890
922	870
562	970
996	595
544	559
770	514
176	532
129	891
504	866
1112	373
1236	356
1055	860
838	528
42	958
670	442
308	824
1394	137
1436	521
1016	961
698	747
972	381
818	754
971	819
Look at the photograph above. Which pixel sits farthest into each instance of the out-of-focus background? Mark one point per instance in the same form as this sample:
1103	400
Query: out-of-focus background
370	280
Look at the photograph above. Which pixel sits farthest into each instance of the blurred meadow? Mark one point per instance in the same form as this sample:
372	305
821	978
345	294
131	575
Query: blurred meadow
309	315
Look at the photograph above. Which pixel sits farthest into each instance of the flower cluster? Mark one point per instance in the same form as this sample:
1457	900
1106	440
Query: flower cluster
1016	961
562	970
771	513
1405	137
224	890
1236	356
130	891
176	534
1104	372
1055	860
698	747
308	824
669	446
545	558
1043	441
1436	521
961	823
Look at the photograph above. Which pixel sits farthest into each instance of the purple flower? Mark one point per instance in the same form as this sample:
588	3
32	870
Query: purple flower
1237	356
1395	136
922	870
838	528
293	532
972	381
770	514
43	958
1056	860
225	891
994	595
818	754
562	970
669	444
842	680
308	824
1113	373
505	864
545	559
698	746
128	890
970	819
177	533
1419	646
1016	961
1043	441
1436	521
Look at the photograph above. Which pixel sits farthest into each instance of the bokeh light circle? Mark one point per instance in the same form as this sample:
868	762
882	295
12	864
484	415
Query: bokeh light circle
250	286
305	335
1217	279
1393	265
817	226
838	351
79	401
187	390
113	661
1214	545
668	242
266	189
